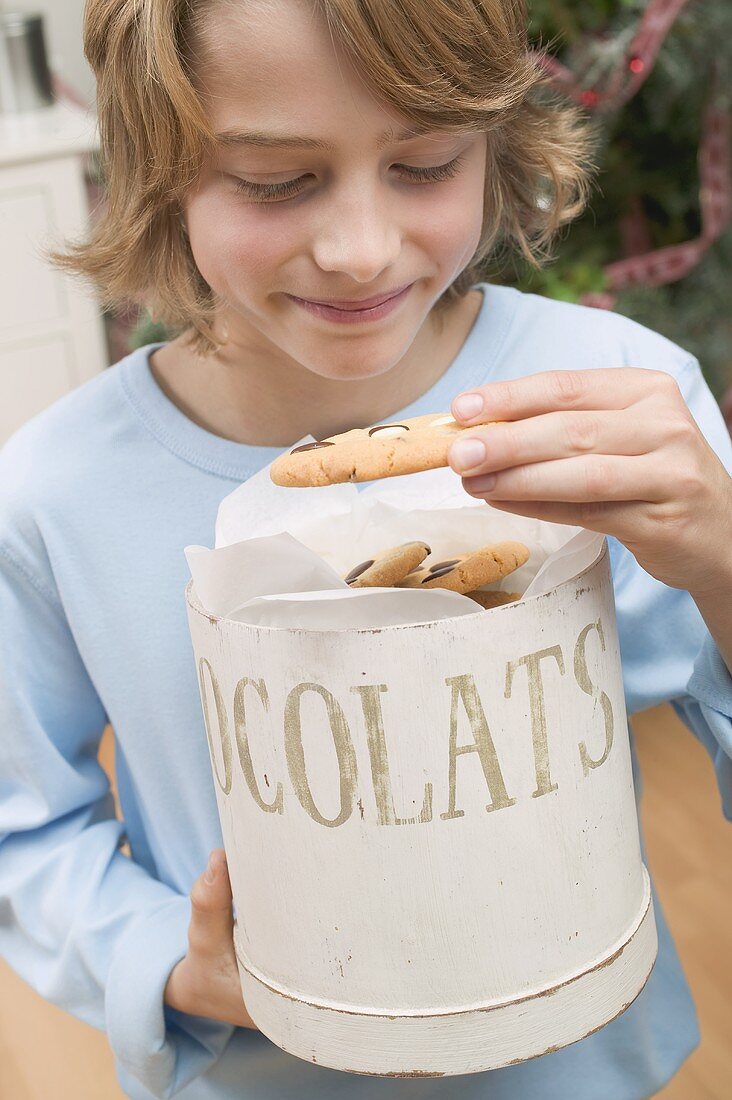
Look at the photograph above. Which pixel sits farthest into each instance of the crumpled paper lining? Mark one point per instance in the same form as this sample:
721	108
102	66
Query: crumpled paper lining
281	553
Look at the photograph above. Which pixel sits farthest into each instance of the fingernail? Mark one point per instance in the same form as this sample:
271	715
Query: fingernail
482	484
210	875
468	405
465	454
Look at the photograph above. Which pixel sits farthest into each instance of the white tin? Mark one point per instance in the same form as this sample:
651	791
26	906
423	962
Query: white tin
431	831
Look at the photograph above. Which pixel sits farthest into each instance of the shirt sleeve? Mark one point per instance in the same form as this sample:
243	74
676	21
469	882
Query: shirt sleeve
706	709
667	652
87	927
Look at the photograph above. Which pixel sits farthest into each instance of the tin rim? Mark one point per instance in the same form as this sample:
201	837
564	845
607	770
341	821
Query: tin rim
197	607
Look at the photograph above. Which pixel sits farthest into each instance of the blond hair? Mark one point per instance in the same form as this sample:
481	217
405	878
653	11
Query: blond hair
449	64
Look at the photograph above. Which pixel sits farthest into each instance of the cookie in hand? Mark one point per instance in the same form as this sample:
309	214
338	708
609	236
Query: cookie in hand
366	454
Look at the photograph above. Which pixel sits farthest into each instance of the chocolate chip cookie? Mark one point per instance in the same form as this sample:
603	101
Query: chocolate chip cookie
365	454
466	572
389	567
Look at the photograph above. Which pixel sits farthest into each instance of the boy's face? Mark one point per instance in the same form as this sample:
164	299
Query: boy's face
352	223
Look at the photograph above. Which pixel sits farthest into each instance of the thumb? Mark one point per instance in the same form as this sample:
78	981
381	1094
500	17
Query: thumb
212	920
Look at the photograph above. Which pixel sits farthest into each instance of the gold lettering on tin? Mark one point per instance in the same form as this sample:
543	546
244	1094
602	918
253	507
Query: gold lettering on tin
538	711
463	687
223	724
381	778
242	742
582	677
345	753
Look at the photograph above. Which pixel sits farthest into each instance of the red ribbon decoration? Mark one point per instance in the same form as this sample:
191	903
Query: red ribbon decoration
664	265
668	265
631	71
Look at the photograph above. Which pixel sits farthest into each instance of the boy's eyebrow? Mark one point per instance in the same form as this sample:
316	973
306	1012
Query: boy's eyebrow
232	138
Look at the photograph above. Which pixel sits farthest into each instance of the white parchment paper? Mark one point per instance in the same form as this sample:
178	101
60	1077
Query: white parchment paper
280	553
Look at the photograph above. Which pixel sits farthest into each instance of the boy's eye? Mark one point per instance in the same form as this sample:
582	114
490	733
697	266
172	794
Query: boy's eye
268	192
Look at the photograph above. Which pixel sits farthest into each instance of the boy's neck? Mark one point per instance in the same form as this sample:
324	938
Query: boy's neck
243	400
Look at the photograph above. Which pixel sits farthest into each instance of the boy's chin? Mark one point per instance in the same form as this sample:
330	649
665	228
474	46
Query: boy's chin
360	360
345	369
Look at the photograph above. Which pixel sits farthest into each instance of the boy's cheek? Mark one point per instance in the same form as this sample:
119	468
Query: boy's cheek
454	226
229	252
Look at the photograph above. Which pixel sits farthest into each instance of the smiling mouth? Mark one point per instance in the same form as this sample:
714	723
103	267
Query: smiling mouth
351	306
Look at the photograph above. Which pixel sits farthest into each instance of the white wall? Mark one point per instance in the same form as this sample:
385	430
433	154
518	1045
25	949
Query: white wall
62	21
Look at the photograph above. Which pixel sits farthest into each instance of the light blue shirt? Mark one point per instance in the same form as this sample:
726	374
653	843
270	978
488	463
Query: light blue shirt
98	496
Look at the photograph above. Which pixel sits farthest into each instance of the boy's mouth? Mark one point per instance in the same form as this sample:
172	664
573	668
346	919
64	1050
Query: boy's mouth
352	304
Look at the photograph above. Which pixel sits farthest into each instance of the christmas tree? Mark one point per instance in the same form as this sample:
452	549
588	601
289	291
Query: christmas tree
655	76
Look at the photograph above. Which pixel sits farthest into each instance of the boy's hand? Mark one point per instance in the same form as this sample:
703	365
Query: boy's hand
615	451
206	981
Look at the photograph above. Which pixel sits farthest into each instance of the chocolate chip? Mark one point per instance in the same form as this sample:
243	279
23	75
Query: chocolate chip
437	572
381	427
312	446
358	570
443	566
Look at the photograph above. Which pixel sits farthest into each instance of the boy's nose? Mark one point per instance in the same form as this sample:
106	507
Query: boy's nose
359	238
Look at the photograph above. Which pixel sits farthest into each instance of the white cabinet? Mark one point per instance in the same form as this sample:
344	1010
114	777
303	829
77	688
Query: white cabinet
51	329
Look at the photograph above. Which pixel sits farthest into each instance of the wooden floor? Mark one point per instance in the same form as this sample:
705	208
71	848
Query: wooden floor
689	847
